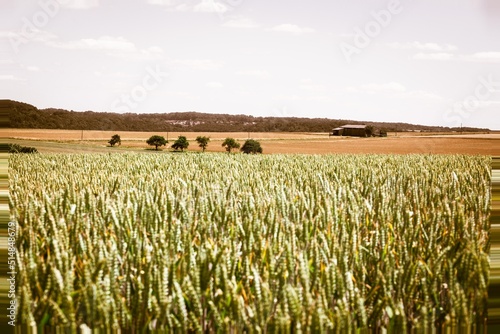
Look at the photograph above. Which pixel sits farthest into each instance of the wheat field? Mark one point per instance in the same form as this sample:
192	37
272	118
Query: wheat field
237	243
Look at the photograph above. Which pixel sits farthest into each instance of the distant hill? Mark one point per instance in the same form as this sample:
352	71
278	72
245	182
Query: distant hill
23	115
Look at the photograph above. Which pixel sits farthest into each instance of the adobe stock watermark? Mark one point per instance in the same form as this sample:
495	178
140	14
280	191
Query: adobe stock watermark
151	81
363	36
31	26
464	109
11	274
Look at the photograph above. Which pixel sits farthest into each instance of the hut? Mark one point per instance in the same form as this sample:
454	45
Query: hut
350	130
337	132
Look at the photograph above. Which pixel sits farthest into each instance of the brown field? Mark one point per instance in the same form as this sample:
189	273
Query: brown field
67	141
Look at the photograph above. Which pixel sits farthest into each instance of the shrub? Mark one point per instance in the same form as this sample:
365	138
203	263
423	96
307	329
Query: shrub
251	146
156	141
230	143
115	140
202	142
16	148
181	143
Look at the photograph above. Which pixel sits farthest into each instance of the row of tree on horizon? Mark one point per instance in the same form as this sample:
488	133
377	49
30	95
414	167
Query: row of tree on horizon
23	115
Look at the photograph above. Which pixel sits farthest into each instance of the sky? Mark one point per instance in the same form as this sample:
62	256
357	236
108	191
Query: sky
430	62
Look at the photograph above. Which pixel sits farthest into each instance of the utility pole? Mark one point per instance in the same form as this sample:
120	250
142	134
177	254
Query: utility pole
81	139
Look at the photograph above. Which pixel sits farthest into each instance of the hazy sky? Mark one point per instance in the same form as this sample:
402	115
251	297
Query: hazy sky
428	62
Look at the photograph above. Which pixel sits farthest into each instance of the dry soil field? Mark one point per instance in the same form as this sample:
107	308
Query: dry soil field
65	141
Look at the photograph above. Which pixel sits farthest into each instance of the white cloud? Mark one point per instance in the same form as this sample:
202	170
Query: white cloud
80	4
241	22
44	36
214	84
9	77
423	46
182	7
292	28
197	64
210	6
154	52
36	35
107	43
112	46
484	57
434	56
419	94
33	68
171	5
481	57
163	2
490	103
254	73
7	34
205	6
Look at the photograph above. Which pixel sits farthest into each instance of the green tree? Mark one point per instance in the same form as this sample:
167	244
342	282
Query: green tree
115	140
181	143
369	131
202	142
230	143
156	141
251	146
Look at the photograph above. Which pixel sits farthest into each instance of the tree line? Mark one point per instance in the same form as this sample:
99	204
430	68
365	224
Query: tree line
23	115
250	145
